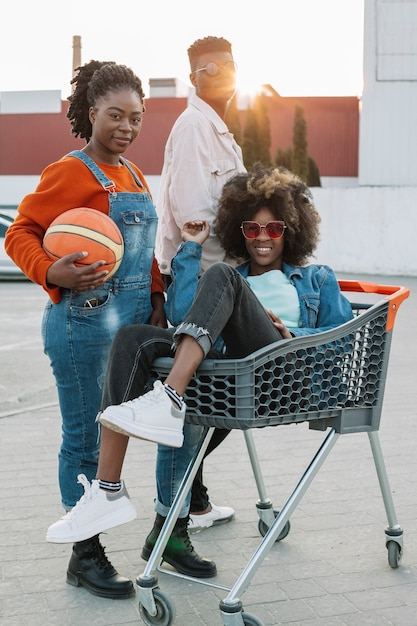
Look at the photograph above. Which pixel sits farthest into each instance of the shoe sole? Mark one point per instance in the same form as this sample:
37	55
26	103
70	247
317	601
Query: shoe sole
146	553
118	518
77	581
198	529
164	436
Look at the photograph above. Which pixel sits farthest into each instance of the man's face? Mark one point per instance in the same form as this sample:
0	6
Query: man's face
211	86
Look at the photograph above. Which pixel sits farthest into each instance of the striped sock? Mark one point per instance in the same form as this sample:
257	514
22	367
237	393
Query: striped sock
175	397
108	486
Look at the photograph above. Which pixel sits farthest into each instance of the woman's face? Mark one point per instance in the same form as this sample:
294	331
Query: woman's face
265	252
116	122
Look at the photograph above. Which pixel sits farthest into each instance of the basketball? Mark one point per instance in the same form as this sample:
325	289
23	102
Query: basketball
85	230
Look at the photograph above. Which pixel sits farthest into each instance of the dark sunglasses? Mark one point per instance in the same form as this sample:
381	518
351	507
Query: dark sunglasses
274	230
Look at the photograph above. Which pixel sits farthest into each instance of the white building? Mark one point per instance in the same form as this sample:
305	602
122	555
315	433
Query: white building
370	229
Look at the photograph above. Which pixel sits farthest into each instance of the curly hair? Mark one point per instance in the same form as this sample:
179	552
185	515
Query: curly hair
207	44
287	197
93	81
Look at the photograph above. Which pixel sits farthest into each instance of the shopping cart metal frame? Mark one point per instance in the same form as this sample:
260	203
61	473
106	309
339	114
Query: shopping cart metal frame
334	380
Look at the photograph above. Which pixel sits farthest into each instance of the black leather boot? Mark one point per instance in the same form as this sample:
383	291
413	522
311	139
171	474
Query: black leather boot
89	567
179	551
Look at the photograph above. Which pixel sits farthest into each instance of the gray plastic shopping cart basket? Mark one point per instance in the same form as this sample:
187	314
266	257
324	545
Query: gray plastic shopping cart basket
334	380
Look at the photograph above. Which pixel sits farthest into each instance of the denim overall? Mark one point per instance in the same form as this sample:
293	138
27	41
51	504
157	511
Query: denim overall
78	331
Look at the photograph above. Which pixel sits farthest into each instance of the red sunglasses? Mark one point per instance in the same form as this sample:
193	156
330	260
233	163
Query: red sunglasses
274	230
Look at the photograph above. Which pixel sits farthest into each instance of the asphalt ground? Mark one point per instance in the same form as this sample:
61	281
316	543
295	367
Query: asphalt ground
331	570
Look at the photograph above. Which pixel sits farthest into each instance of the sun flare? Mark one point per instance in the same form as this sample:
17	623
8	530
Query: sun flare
246	93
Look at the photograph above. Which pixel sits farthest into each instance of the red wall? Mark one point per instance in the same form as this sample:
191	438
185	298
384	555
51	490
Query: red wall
332	131
148	150
29	142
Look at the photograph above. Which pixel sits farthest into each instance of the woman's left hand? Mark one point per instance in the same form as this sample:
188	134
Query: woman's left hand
285	333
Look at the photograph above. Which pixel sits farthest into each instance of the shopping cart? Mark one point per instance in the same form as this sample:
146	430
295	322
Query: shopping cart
334	380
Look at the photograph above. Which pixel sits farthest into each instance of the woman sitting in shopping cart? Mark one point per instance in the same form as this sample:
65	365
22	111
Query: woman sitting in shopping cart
268	222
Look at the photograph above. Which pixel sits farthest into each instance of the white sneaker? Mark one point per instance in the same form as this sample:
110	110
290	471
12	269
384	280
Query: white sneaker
96	511
151	416
217	515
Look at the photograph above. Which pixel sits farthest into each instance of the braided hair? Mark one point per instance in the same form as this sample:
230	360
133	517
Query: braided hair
287	197
93	81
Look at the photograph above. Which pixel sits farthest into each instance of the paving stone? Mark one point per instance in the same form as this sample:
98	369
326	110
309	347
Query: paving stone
331	570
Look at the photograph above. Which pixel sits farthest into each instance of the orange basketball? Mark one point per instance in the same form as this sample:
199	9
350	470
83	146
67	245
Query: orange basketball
85	230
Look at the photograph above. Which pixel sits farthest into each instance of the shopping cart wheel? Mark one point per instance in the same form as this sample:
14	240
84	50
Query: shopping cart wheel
263	528
251	620
165	611
394	554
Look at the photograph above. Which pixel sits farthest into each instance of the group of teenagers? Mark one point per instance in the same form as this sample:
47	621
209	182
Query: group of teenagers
225	252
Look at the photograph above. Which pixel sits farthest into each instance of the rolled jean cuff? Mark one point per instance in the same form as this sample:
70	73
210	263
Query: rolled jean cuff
201	335
164	510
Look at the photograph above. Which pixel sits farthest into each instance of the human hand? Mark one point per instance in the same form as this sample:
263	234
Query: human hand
285	333
197	230
158	316
64	273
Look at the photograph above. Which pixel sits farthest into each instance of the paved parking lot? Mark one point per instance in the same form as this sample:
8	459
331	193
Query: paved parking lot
331	570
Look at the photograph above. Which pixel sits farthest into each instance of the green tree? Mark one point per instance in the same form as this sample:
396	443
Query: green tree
263	127
250	139
313	173
233	120
296	158
299	145
284	158
256	143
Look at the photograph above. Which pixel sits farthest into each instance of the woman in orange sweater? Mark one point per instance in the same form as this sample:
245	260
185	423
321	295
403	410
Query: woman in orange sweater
85	311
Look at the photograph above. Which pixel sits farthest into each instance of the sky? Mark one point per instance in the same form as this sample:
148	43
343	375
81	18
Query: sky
300	47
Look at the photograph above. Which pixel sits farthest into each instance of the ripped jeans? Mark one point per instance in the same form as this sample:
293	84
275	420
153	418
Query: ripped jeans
224	304
133	351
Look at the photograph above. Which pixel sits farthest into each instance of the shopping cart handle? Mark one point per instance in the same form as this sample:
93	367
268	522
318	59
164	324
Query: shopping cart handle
396	294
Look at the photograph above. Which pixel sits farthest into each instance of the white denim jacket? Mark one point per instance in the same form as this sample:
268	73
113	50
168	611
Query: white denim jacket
200	156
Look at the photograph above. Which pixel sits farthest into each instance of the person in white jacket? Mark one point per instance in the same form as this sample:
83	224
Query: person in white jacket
201	155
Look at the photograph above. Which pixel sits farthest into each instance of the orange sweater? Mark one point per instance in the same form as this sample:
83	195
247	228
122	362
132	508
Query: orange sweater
65	184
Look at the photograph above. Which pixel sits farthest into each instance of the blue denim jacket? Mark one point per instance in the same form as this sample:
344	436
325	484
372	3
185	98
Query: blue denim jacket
322	305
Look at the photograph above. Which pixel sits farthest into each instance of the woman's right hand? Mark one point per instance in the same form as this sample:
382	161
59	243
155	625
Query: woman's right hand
64	273
277	322
196	230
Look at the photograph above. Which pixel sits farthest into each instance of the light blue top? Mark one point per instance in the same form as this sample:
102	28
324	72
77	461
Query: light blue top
276	293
